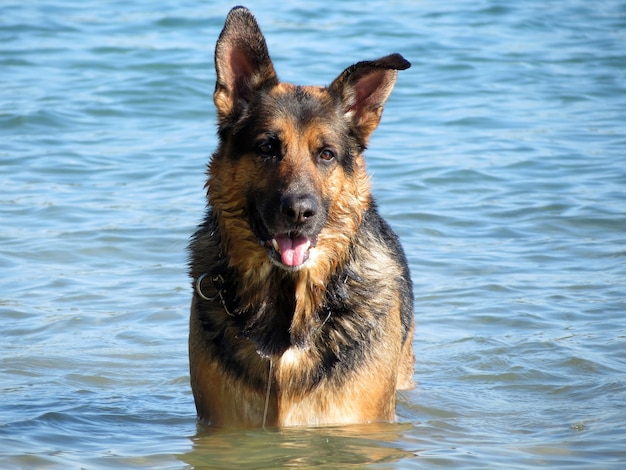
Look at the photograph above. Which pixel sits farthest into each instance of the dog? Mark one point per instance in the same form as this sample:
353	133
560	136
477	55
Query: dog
302	310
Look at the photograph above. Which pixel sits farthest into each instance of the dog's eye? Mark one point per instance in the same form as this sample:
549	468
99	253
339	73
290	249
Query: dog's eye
327	155
267	149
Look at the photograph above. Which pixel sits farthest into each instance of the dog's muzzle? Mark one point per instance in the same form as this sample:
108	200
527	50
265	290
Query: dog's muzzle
288	229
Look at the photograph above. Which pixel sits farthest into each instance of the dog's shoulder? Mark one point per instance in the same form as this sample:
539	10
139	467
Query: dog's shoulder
380	258
378	243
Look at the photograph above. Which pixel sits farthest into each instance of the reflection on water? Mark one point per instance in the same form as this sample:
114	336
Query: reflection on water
328	447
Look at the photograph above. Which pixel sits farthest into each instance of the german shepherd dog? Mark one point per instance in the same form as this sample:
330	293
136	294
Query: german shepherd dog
302	312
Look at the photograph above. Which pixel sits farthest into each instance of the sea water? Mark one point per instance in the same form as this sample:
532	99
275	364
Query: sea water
500	161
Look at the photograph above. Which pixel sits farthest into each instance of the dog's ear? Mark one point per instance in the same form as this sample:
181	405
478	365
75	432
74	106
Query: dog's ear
364	88
242	63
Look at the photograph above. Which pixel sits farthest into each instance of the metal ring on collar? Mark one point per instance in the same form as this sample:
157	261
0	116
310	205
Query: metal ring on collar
199	289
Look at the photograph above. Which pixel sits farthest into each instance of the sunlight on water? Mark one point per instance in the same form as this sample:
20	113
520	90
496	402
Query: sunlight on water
499	161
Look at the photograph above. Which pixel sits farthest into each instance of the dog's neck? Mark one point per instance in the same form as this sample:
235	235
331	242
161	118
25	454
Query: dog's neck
281	309
275	308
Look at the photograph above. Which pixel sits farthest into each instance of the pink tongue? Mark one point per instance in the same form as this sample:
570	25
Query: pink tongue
292	250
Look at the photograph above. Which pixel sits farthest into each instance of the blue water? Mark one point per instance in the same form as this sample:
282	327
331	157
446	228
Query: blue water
500	161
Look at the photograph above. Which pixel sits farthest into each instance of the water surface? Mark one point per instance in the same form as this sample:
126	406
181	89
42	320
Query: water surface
500	161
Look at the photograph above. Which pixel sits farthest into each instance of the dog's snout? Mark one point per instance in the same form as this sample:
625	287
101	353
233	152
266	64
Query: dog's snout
298	208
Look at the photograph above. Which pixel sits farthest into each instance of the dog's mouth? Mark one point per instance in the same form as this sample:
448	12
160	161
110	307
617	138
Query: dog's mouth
290	250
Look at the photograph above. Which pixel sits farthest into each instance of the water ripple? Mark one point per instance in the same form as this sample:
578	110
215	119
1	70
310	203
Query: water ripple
499	161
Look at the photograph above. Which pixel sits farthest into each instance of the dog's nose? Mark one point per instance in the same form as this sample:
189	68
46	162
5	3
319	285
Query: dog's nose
298	208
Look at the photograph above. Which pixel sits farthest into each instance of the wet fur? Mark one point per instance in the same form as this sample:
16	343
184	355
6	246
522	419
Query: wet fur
338	329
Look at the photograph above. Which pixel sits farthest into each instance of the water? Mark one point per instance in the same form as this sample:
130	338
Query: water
500	161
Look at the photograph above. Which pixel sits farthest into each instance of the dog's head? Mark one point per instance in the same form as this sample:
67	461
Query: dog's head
288	180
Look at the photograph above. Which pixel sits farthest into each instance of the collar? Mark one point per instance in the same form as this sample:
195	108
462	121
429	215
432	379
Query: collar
210	287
